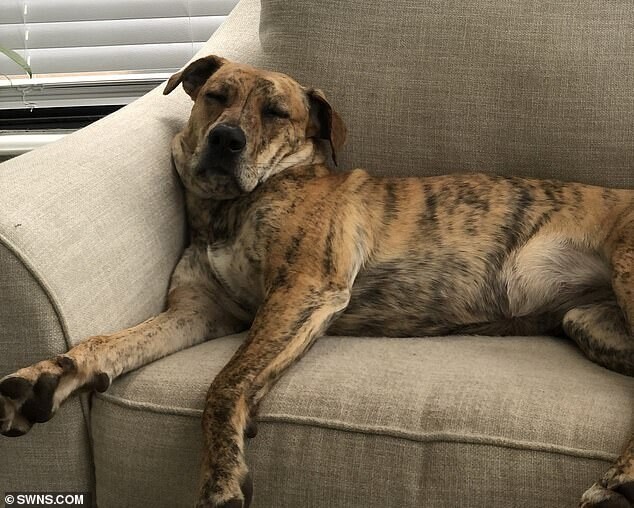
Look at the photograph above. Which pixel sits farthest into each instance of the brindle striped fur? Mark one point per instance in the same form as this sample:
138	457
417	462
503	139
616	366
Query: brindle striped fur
289	250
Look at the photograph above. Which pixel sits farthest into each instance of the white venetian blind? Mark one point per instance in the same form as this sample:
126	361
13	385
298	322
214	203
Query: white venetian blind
99	51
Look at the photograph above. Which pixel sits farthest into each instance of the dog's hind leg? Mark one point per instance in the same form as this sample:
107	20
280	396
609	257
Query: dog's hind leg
288	321
621	253
601	332
33	394
616	488
605	332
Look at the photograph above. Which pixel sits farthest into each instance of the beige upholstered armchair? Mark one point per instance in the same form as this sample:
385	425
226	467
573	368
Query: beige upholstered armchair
92	226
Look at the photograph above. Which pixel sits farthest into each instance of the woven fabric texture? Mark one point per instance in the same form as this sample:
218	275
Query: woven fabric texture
522	87
366	422
91	228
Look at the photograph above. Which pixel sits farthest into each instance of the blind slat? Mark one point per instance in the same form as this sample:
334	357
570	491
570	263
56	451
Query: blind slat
145	57
109	33
42	11
201	7
85	43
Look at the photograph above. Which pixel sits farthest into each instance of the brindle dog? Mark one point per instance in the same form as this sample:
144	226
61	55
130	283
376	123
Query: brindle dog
290	250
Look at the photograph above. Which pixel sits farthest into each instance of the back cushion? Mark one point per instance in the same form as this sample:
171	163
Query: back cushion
522	87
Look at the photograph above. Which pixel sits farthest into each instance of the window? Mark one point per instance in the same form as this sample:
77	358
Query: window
105	52
89	57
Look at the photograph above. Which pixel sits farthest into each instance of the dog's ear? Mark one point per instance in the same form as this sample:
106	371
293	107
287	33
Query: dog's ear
325	122
195	75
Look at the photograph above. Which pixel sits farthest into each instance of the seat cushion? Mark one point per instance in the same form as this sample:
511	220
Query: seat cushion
374	422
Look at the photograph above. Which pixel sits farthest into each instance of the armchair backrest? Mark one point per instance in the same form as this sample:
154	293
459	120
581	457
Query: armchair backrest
532	88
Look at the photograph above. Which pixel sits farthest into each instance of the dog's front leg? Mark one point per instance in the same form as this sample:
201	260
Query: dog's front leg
286	324
194	313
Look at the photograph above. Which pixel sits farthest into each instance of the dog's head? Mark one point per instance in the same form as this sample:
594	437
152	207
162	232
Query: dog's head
246	125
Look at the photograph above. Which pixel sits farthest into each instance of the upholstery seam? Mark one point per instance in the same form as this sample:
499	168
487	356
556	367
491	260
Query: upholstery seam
429	437
50	296
30	268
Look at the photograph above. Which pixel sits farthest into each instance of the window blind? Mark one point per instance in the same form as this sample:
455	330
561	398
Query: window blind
99	52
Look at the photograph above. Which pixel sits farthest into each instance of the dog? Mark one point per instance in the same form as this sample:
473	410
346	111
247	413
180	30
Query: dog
289	249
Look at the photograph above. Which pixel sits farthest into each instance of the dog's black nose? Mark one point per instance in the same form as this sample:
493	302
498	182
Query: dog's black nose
227	140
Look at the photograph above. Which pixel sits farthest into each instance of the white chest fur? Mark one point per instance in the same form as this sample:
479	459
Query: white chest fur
237	274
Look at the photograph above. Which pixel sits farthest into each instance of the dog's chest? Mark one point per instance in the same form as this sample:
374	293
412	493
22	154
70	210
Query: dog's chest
244	233
237	268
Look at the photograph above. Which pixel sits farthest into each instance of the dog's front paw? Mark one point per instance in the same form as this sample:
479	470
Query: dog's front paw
33	394
614	490
218	491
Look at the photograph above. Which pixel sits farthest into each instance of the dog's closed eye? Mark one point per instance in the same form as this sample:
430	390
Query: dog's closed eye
275	111
219	97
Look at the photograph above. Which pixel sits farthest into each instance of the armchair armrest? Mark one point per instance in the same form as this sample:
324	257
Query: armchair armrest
90	230
95	224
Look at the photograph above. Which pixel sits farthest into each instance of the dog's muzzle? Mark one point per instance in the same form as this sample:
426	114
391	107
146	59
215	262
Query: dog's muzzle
225	145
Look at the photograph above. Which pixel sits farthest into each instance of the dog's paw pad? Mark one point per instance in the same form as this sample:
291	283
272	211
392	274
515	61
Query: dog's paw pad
614	502
15	387
101	382
251	430
247	489
243	501
14	433
234	503
626	490
66	363
12	422
599	496
39	407
27	397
